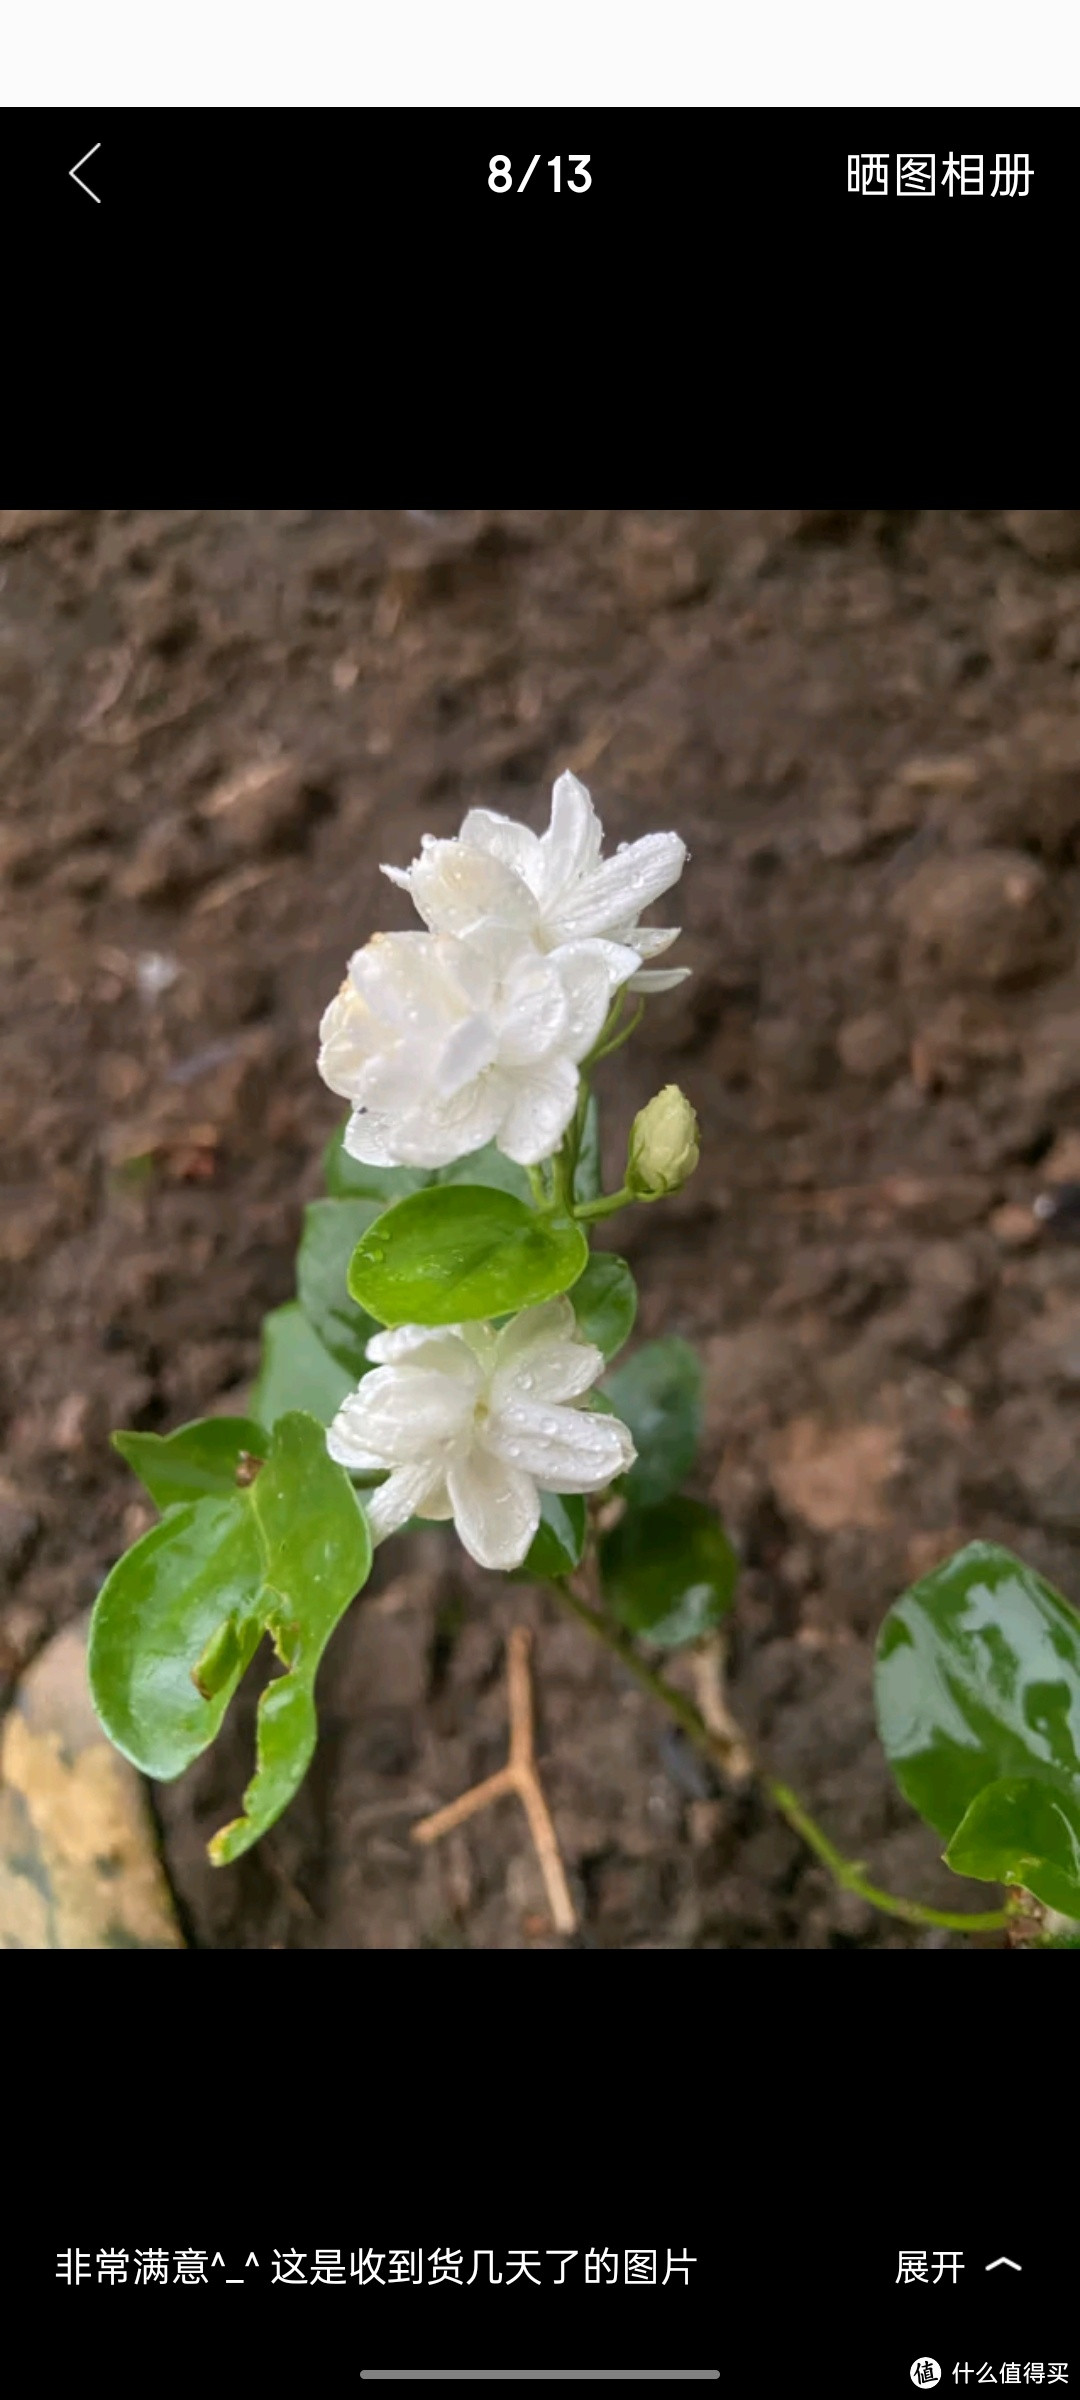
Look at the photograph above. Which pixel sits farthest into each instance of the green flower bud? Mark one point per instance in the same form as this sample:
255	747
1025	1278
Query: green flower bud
663	1148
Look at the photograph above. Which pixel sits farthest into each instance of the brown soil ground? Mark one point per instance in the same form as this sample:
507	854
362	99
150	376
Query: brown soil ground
213	726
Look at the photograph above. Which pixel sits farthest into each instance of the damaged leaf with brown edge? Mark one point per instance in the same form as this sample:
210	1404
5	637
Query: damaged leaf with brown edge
196	1461
317	1549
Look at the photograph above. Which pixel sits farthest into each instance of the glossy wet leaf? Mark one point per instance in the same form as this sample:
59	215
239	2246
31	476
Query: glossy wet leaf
318	1556
196	1460
978	1679
658	1394
348	1179
490	1170
1023	1830
588	1173
153	1620
296	1370
559	1539
669	1572
461	1252
332	1229
605	1302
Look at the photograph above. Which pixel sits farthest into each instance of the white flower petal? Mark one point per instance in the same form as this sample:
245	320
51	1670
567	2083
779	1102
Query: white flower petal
396	1342
406	1493
472	1046
446	1130
408	981
616	892
496	1508
504	839
538	1105
437	1506
546	1321
571	846
534	1012
349	1036
567	1449
546	1370
435	1133
482	1341
409	1412
459	891
657	979
585	972
345	1444
650	940
370	1140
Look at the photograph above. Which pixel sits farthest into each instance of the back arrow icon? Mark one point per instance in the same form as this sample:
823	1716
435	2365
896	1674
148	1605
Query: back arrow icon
1003	2262
77	178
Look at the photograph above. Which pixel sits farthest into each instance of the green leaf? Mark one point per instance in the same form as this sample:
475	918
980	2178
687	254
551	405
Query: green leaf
318	1556
460	1252
588	1173
669	1572
296	1371
1023	1830
347	1179
179	1619
658	1393
154	1620
197	1459
489	1169
605	1302
332	1229
978	1680
559	1539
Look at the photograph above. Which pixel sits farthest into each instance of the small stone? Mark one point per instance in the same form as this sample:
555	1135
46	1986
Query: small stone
79	1868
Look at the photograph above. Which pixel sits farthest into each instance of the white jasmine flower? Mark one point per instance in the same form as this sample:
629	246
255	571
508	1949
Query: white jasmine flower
474	1424
443	1045
551	888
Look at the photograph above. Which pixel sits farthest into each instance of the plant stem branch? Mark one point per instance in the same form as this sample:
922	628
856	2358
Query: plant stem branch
519	1775
618	1039
606	1205
729	1750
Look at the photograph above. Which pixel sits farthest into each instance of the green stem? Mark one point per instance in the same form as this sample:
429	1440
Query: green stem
606	1029
607	1204
676	1703
539	1193
846	1872
630	1027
